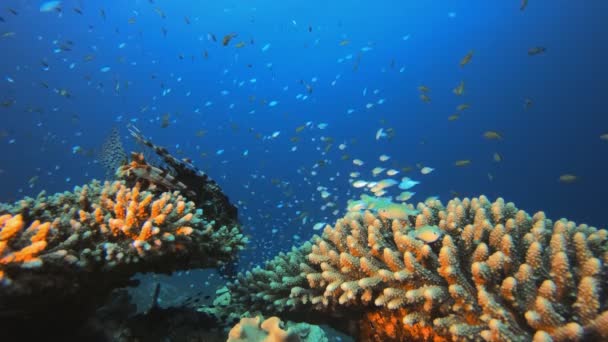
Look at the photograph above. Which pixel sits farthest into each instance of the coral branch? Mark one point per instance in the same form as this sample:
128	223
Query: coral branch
473	269
95	238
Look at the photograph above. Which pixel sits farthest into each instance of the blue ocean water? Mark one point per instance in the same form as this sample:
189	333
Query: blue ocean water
278	114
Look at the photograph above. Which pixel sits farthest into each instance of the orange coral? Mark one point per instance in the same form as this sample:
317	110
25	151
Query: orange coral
11	226
25	254
115	226
43	230
159	219
132	212
82	244
181	205
98	215
83	216
184	231
386	325
146	231
141	208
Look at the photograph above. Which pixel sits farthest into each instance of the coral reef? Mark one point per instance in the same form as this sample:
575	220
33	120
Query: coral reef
267	289
80	245
472	270
269	330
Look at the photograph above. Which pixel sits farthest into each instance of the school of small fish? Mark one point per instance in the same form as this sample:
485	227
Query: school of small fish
249	101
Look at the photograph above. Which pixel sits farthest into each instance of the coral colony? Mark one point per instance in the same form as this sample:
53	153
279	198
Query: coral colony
487	271
471	270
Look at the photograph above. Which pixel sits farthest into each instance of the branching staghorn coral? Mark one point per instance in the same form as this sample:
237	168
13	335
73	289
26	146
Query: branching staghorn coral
474	270
80	245
267	289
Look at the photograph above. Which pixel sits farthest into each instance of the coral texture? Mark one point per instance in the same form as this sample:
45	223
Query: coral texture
267	289
270	330
468	271
80	245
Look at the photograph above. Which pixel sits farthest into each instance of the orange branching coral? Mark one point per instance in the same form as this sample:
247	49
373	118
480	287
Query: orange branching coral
471	270
387	325
11	225
96	237
134	214
22	254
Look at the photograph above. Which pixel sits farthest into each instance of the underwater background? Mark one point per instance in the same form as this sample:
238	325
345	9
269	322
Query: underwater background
287	104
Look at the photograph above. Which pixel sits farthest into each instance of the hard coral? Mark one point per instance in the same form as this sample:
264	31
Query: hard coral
94	239
267	289
25	253
471	270
270	330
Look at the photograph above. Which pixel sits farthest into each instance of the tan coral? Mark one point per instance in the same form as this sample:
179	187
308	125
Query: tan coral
257	329
494	272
